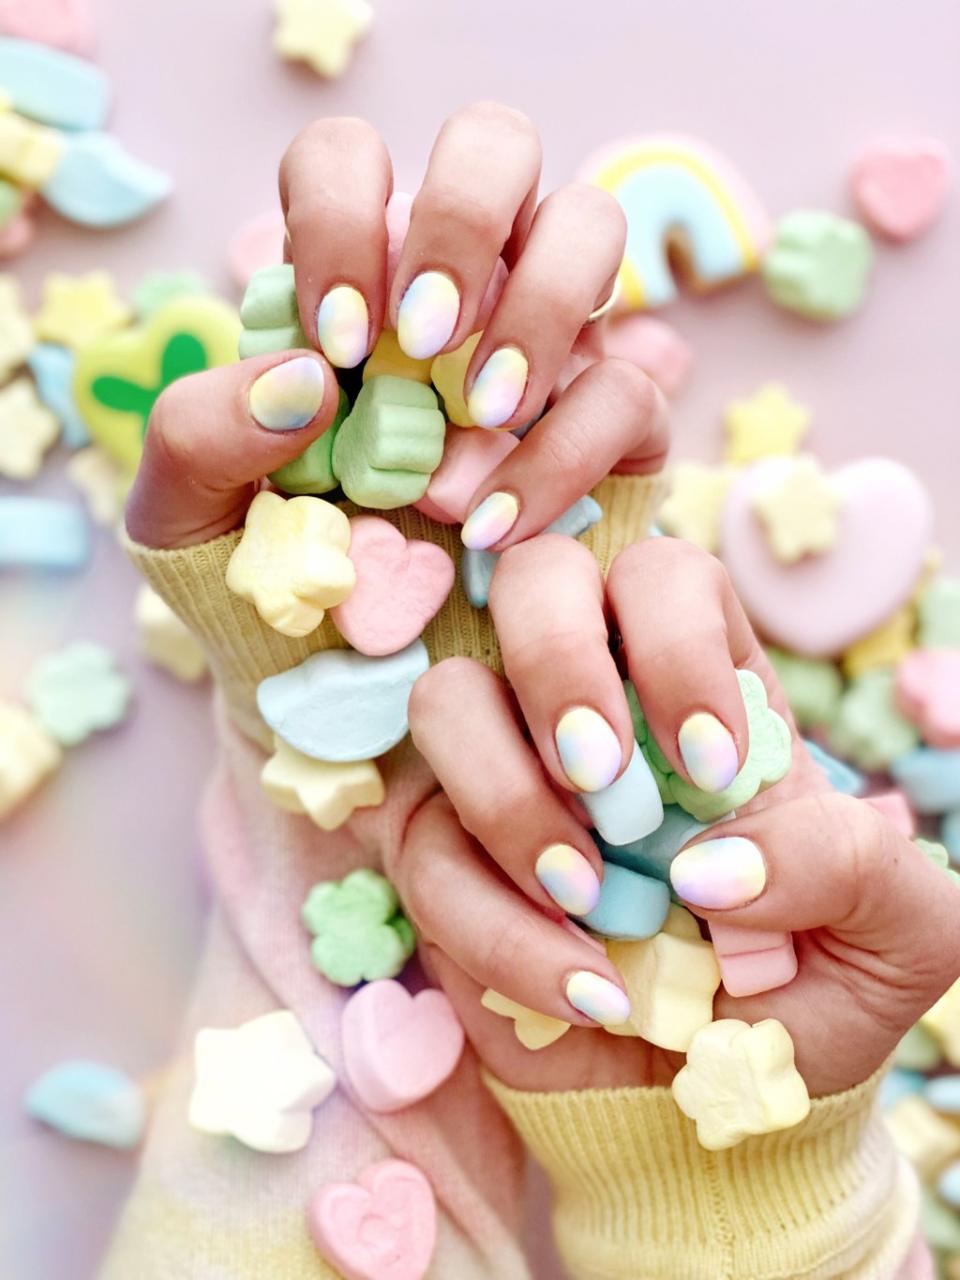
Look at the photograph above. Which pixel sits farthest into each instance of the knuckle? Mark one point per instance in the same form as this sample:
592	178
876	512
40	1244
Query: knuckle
661	559
625	381
600	213
439	685
461	215
170	425
525	562
489	115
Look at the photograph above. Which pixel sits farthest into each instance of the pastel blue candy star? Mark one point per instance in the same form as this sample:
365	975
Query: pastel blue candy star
340	705
931	779
53	87
841	776
89	1101
52	367
42	533
630	906
99	184
77	691
652	854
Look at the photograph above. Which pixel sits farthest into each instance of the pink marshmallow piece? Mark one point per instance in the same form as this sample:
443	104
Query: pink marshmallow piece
895	807
398	1048
655	347
928	694
258	243
468	458
65	24
400	586
18	234
381	1227
753	960
900	185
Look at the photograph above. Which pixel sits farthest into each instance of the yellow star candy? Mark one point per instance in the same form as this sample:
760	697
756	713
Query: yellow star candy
27	430
16	332
164	640
696	498
769	424
29	152
885	646
388	358
800	512
321	32
292	563
98	478
327	792
534	1030
448	373
76	310
740	1081
27	755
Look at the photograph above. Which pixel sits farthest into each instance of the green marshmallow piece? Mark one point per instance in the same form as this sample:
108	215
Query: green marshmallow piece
11	202
813	687
390	445
868	728
818	264
361	934
768	757
270	301
937	853
312	472
917	1051
939	613
260	342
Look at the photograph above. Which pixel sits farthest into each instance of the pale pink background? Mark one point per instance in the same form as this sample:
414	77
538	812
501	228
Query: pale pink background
100	902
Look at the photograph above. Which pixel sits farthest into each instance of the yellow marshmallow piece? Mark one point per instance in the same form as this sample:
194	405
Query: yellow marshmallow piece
769	424
692	508
883	647
927	1140
76	310
292	563
321	32
327	792
534	1030
16	331
27	755
448	373
800	513
387	358
942	1020
29	152
164	640
100	481
27	430
740	1081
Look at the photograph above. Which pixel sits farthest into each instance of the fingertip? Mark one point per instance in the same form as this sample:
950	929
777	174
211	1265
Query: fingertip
289	395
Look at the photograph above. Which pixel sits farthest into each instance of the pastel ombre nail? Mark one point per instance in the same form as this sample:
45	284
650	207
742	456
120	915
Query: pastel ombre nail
498	388
589	749
289	395
428	315
492	520
726	872
598	998
569	879
708	751
343	326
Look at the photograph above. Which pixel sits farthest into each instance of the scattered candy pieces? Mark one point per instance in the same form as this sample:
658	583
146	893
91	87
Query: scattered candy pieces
269	315
158	288
259	1083
770	424
818	264
77	691
164	640
938	855
27	430
868	729
387	358
99	479
534	1030
16	331
655	347
447	373
96	183
841	776
812	686
884	646
257	244
90	1102
398	1048
468	458
65	24
921	1135
631	905
938	608
900	185
692	508
652	854
928	694
799	511
53	369
27	756
326	792
53	87
943	1023
312	472
740	1080
360	933
321	33
930	778
42	533
753	960
917	1051
895	807
29	153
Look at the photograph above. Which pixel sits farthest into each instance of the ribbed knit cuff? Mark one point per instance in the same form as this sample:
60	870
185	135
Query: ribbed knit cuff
637	1197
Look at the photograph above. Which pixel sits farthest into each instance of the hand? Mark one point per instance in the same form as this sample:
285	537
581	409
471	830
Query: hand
876	924
205	454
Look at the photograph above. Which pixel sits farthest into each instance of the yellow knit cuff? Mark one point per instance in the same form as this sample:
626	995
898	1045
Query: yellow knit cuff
243	650
637	1198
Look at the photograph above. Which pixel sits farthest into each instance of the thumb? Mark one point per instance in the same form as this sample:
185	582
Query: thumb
214	435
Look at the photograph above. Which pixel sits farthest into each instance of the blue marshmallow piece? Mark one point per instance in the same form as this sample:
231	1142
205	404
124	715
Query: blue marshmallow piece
949	1184
630	807
340	705
99	184
930	778
51	86
42	533
631	906
950	834
839	774
52	367
91	1102
898	1085
652	854
943	1094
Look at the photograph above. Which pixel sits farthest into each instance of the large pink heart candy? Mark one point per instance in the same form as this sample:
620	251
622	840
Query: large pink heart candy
66	24
820	605
401	585
398	1048
901	186
381	1227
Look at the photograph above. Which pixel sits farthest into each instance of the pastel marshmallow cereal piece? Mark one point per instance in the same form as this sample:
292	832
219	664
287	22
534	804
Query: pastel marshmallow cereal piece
312	471
671	980
938	609
16	330
157	288
401	585
652	854
534	1030
30	153
631	905
76	310
950	834
447	372
398	1048
27	430
78	691
918	1050
17	233
100	481
269	313
928	694
321	33
818	264
943	1093
692	508
390	445
260	1083
258	243
630	807
90	1102
884	646
328	793
822	604
341	705
655	347
42	533
64	24
841	776
869	729
291	563
900	185
800	511
53	368
387	358
924	1138
468	458
942	1021
895	807
769	424
53	87
381	1227
753	960
813	687
360	933
97	183
164	640
28	755
740	1081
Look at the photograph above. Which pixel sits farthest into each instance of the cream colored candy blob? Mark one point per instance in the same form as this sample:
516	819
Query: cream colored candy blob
326	791
27	755
291	563
164	640
534	1030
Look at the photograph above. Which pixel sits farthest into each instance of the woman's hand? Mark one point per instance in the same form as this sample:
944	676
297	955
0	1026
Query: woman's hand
876	924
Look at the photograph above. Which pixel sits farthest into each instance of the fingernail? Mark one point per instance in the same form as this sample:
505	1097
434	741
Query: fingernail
727	872
708	751
598	998
288	396
343	326
498	388
589	749
569	879
428	315
492	520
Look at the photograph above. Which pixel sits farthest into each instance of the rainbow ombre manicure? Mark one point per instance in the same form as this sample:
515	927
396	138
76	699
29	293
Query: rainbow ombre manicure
343	326
289	395
589	749
598	998
427	315
498	388
708	751
726	872
569	879
492	520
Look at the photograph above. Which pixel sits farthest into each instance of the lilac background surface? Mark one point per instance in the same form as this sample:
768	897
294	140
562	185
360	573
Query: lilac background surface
100	898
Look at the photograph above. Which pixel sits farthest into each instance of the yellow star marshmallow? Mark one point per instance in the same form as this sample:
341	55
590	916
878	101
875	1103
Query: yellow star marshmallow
885	646
321	32
164	640
76	310
448	373
387	357
27	430
769	424
696	498
16	331
927	1140
534	1030
800	511
327	792
27	755
99	479
29	152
